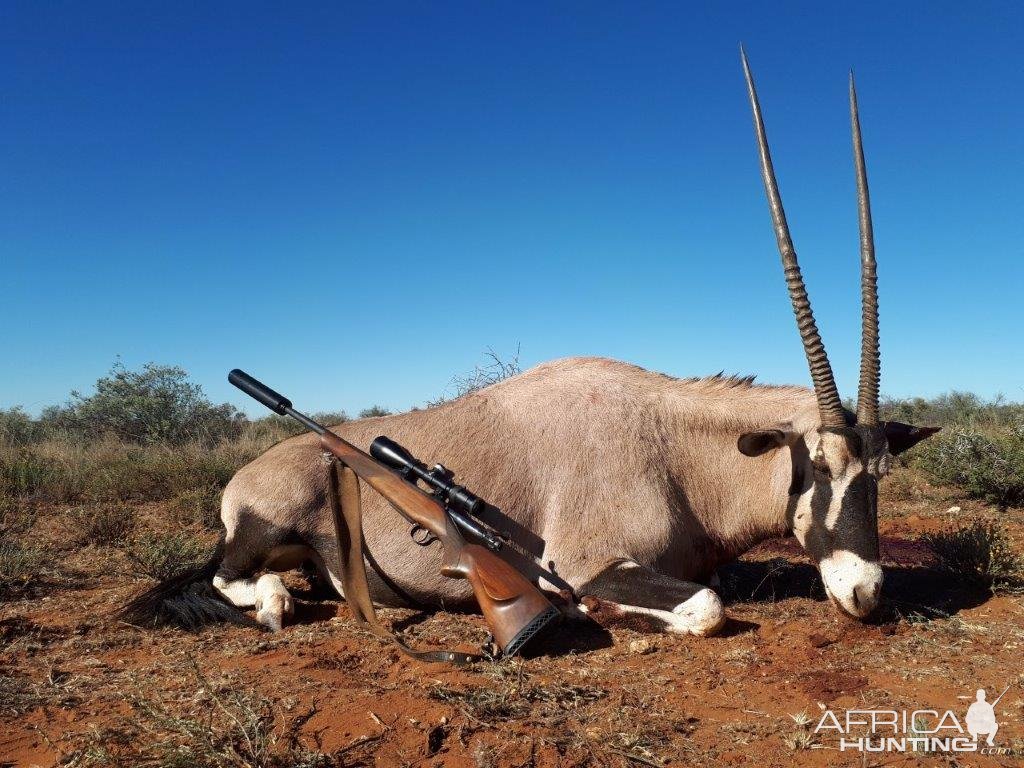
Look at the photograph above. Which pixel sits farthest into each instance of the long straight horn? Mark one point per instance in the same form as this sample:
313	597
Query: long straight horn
870	358
830	406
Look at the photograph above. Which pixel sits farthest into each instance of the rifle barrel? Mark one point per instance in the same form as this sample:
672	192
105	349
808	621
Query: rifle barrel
1001	695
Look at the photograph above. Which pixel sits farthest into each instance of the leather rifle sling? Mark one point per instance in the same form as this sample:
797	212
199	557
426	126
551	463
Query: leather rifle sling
346	508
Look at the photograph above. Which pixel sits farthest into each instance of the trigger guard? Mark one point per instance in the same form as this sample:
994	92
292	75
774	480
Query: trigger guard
421	536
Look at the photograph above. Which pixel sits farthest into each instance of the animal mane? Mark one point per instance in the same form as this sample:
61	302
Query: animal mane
729	380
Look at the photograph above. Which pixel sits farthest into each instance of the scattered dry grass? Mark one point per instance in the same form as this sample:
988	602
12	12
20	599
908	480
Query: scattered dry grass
981	554
218	723
102	525
160	556
21	565
511	695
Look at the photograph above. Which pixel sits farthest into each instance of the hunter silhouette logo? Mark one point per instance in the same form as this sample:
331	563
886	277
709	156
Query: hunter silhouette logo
919	730
981	717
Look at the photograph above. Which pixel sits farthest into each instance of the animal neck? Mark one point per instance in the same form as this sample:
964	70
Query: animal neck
738	500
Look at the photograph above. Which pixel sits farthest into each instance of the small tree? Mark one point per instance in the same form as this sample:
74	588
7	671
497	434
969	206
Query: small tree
376	410
17	427
155	404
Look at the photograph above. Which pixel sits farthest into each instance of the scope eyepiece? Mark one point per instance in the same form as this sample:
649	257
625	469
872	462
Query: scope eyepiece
464	501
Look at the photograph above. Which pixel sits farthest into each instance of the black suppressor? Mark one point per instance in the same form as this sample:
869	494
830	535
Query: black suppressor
457	500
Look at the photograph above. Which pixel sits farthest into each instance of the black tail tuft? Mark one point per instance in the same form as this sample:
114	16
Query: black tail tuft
187	600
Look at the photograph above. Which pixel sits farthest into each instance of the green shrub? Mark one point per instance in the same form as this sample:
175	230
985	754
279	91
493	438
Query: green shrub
157	404
23	471
161	556
103	524
17	427
273	428
981	554
963	409
374	410
20	565
987	465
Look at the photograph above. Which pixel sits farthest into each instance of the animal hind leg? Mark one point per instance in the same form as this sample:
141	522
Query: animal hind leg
628	592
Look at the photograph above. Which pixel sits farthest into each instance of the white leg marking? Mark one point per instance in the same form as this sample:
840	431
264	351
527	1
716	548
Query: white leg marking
703	613
241	593
273	602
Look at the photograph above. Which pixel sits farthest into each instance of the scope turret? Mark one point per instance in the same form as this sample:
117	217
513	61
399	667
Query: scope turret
387	451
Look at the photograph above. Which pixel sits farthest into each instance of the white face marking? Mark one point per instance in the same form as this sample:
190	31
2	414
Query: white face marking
852	581
835	506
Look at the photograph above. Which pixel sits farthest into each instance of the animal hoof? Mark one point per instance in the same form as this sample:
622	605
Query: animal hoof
701	615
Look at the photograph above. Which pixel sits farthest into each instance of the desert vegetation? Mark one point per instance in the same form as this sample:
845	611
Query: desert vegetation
120	486
980	449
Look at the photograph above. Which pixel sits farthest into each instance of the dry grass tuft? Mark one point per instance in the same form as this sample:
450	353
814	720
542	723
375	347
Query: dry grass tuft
221	725
160	556
511	695
103	525
981	554
21	566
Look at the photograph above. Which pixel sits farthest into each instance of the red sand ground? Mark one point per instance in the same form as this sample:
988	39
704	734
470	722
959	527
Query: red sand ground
79	689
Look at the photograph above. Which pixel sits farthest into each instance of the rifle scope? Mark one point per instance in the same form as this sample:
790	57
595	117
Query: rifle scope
387	451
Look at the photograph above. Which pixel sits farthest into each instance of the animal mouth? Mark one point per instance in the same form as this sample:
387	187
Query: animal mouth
858	606
839	606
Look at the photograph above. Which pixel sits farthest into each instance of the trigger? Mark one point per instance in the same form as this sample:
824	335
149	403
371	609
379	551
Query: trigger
422	536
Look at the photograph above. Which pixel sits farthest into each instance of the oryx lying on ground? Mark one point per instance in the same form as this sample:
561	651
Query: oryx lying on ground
627	485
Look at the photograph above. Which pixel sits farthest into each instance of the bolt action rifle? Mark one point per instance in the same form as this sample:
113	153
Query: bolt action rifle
515	609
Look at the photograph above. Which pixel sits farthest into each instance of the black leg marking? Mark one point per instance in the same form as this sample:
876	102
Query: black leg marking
628	583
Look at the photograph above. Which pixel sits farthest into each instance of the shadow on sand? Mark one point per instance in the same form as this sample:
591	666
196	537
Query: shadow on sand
915	586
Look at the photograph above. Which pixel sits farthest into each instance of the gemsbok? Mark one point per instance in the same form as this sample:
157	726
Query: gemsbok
617	482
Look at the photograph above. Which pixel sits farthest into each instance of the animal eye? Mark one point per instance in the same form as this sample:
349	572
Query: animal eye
822	468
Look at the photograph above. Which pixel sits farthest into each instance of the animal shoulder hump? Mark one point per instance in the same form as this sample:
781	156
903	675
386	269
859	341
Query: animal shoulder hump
573	374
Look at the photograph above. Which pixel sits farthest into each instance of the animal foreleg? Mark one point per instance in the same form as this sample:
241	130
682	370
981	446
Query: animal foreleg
629	593
241	593
273	602
267	594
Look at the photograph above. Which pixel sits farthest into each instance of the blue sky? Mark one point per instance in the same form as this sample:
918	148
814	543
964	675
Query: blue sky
354	202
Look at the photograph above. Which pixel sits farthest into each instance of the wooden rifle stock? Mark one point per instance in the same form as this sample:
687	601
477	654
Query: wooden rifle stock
514	608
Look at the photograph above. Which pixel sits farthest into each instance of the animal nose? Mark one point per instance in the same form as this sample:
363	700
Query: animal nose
865	597
853	583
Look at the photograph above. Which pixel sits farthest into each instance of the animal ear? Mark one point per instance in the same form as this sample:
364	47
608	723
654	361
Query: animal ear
902	437
763	440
